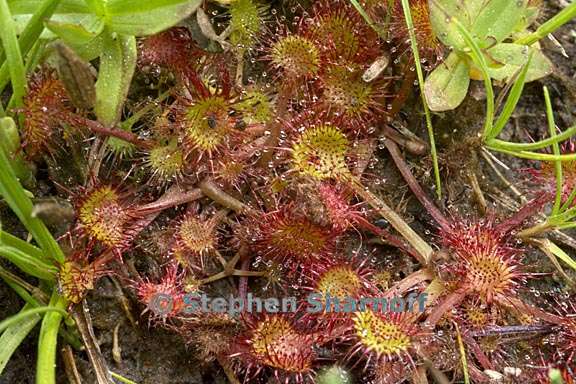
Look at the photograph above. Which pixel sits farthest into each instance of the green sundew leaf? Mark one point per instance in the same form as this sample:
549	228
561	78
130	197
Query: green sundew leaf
29	264
513	56
13	336
447	86
140	18
117	66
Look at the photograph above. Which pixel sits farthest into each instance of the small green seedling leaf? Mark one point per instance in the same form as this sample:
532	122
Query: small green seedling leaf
447	86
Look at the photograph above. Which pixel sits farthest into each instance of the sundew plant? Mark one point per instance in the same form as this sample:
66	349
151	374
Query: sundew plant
152	151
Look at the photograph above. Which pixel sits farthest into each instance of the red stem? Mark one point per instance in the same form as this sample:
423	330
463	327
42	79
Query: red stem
519	305
529	210
130	137
449	302
275	126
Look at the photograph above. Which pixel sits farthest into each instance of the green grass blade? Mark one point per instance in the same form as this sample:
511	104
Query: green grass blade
535	155
550	26
122	379
559	253
13	54
556	151
511	102
532	146
30	34
480	61
13	320
48	342
14	242
20	203
367	18
13	337
29	264
414	46
569	200
463	359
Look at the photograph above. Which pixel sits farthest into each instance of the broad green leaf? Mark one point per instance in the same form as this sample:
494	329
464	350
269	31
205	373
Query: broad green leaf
139	18
117	65
511	57
497	19
85	41
76	34
487	20
447	86
23	7
441	11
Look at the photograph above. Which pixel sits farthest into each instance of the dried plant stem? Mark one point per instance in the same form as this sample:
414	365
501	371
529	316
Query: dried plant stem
210	189
411	144
477	351
478	194
70	367
84	324
415	186
230	270
424	251
410	281
173	197
405	89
